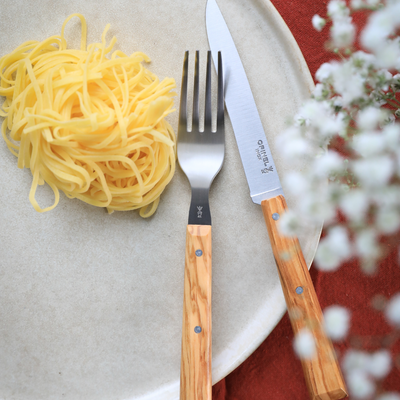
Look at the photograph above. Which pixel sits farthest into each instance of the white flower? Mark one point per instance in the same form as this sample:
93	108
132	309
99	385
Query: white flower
318	92
390	118
326	258
388	53
327	164
392	311
360	367
289	224
339	240
296	147
388	220
325	71
320	115
337	9
336	322
373	3
389	396
368	265
377	30
398	161
318	22
293	145
304	344
297	183
367	244
379	364
354	204
369	118
357	4
355	360
343	33
337	102
317	205
380	26
372	38
374	171
311	110
363	61
333	124
391	136
397	66
387	196
360	385
355	365
333	249
384	76
348	82
368	144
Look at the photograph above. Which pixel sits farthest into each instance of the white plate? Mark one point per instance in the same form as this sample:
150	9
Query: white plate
90	303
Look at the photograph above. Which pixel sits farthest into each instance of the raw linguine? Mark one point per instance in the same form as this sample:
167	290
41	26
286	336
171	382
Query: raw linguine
91	126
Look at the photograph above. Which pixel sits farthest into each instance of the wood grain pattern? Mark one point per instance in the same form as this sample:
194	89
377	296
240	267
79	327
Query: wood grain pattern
323	376
196	382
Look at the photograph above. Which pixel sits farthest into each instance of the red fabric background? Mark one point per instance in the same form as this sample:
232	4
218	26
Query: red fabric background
273	372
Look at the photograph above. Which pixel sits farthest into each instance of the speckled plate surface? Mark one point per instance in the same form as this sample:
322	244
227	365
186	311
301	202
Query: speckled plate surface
91	303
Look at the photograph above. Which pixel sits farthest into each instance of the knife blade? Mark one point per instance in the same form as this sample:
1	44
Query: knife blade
322	373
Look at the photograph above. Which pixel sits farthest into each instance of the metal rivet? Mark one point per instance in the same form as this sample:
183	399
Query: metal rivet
199	253
275	216
299	290
197	329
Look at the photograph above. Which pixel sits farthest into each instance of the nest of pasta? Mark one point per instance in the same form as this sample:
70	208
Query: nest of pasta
89	122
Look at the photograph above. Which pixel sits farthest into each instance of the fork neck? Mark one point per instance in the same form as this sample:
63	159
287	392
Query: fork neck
199	211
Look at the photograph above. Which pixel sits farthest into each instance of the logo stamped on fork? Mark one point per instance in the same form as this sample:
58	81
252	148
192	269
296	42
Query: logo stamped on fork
199	211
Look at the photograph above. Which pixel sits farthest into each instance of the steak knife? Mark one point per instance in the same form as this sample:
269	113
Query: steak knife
322	373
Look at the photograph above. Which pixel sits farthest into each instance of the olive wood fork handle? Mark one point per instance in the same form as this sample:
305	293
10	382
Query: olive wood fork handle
196	382
322	373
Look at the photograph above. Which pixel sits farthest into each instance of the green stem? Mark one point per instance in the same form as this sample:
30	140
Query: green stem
394	104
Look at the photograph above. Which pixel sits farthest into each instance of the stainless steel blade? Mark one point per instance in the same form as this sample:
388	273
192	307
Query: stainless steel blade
259	167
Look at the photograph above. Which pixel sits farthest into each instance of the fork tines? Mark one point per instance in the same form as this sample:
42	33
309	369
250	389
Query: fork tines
183	117
201	153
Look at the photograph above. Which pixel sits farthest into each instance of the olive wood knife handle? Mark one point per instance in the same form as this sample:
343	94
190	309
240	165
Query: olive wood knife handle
322	373
196	382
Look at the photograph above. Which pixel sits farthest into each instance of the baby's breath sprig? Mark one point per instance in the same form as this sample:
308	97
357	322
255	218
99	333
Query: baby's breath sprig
355	103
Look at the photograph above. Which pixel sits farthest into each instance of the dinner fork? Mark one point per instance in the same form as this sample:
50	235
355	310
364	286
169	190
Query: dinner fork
200	155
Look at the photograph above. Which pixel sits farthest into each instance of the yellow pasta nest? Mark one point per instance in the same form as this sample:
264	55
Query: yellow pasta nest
90	126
